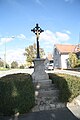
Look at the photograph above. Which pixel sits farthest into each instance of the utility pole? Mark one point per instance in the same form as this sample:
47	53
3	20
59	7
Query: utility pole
5	55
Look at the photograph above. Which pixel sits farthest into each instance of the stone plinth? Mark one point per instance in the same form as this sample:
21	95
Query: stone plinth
39	73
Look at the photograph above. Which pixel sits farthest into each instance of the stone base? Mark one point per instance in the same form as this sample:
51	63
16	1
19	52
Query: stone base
39	73
43	83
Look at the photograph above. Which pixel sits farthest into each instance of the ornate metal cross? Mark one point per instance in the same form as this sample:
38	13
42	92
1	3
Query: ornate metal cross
37	30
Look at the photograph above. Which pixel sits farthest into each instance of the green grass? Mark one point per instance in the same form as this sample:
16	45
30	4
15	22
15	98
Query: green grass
4	69
68	85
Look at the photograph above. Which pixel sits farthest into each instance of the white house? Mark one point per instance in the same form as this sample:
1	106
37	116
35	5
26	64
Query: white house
61	55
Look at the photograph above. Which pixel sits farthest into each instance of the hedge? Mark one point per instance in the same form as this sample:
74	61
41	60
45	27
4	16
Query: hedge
68	85
16	94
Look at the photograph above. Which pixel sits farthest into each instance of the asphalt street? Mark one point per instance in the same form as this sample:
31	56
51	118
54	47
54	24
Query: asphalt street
56	114
30	71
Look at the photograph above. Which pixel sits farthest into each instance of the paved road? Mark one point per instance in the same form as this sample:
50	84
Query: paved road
74	73
30	71
56	114
4	73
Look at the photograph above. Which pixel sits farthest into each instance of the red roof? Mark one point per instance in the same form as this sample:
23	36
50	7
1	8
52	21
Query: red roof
49	56
65	48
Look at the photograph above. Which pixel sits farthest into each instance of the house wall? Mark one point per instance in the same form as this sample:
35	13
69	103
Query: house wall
57	59
60	60
64	61
61	57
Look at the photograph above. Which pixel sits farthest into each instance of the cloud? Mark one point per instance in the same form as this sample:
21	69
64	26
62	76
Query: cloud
9	39
62	36
5	40
47	40
16	55
21	36
39	2
67	31
69	1
54	37
48	36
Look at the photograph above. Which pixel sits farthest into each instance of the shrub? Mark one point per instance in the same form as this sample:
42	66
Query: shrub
78	63
68	85
14	64
22	67
1	63
73	59
16	94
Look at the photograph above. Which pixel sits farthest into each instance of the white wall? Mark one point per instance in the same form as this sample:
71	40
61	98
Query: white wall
63	61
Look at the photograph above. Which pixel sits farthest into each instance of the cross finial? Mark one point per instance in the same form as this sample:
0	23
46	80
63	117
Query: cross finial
37	30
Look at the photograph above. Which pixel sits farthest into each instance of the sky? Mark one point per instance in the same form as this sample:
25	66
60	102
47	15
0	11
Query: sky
60	20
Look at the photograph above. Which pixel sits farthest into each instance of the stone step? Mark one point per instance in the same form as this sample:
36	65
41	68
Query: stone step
47	91
43	83
44	93
45	100
46	96
48	107
46	87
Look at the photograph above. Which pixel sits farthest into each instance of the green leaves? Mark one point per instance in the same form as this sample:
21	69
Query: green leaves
73	60
31	51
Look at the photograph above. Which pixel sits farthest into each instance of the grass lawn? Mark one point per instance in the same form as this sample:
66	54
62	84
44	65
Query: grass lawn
3	69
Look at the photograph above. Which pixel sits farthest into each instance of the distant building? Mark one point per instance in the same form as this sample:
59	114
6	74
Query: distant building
49	59
1	63
50	56
61	54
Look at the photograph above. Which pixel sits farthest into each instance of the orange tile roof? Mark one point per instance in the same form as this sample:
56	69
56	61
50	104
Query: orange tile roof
65	48
49	56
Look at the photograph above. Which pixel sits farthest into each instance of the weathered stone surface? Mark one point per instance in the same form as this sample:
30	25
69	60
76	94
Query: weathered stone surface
77	100
39	70
47	99
46	94
43	84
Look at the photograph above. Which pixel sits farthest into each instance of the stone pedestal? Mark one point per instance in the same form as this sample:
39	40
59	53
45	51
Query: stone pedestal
39	73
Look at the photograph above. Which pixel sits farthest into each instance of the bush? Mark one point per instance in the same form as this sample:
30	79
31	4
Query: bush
68	85
14	64
78	63
22	67
16	94
1	63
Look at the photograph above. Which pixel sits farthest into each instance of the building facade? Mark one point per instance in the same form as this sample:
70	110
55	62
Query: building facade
61	55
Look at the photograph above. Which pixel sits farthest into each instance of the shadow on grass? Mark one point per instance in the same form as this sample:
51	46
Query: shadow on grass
61	83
